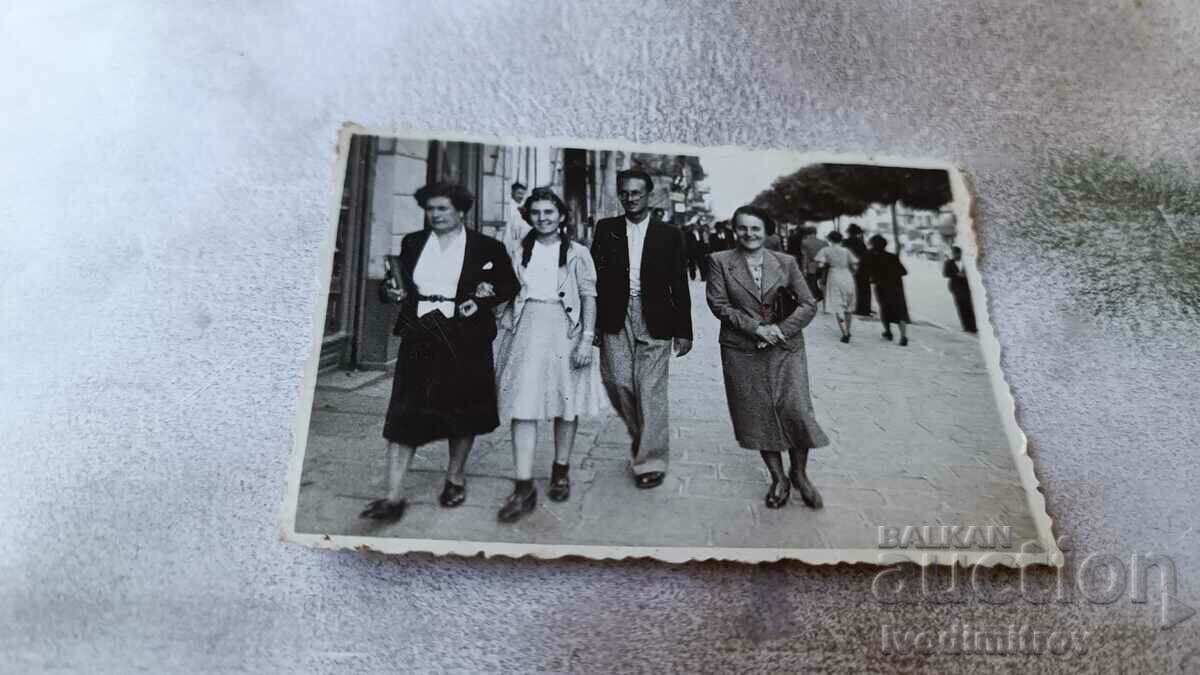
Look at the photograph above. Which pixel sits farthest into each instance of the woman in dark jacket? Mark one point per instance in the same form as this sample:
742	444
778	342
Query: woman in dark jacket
449	280
887	273
763	303
862	280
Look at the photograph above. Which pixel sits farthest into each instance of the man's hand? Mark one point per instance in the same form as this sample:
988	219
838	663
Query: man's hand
682	346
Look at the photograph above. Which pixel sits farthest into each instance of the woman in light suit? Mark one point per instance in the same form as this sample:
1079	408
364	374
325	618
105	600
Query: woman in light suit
763	302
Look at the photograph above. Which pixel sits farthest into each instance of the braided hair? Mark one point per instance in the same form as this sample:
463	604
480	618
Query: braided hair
545	194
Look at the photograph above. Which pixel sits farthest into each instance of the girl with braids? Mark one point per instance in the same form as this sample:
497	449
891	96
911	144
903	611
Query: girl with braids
545	368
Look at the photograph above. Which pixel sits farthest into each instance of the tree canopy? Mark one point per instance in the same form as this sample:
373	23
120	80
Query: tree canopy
824	191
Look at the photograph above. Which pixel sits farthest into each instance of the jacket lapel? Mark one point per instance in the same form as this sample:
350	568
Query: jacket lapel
620	241
739	269
411	254
472	260
649	244
562	270
772	272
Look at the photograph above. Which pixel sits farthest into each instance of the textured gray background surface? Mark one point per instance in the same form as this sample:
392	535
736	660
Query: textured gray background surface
166	184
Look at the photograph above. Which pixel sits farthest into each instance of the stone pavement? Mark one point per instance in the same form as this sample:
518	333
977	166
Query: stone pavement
916	439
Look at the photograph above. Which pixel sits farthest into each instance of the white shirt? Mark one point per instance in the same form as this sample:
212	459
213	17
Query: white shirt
437	272
541	275
635	234
514	231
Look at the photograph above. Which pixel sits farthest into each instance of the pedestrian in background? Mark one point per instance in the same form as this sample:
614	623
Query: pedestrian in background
809	245
515	227
862	281
545	368
763	303
697	249
773	242
960	290
840	266
887	274
450	280
721	238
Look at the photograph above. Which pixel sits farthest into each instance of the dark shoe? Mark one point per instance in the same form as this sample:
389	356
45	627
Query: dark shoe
887	335
777	496
846	339
517	506
453	495
903	342
808	491
650	479
383	509
560	483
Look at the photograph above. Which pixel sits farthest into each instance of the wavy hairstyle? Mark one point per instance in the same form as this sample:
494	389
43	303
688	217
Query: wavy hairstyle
767	221
545	194
460	197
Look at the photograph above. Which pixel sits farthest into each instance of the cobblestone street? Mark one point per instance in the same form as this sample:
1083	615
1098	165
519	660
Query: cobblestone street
916	438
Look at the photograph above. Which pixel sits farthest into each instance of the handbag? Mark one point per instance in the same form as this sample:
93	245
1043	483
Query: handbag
785	303
391	279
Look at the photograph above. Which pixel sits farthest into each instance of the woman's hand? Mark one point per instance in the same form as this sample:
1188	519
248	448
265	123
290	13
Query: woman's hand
485	290
771	334
394	294
581	356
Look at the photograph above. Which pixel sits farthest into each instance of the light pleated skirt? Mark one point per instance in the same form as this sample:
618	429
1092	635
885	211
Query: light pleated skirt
534	376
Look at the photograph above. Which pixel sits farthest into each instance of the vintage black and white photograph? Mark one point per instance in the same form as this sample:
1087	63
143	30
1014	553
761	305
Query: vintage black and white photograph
563	347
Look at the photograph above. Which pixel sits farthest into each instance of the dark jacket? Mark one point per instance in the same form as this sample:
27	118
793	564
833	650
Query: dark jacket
697	247
484	260
666	305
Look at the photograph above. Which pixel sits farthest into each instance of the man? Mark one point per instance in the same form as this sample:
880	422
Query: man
721	238
960	290
642	310
697	250
516	227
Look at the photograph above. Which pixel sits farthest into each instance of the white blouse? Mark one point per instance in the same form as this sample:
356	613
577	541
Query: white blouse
541	276
437	272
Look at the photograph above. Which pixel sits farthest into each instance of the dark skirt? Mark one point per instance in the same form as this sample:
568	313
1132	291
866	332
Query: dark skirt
862	288
445	384
893	308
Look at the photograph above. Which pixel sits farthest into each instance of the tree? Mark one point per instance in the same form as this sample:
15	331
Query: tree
826	191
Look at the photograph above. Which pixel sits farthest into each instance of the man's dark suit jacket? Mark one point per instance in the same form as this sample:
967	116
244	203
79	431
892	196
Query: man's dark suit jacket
666	305
484	259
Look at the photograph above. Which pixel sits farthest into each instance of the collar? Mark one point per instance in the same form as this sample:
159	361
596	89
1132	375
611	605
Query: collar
641	225
457	241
